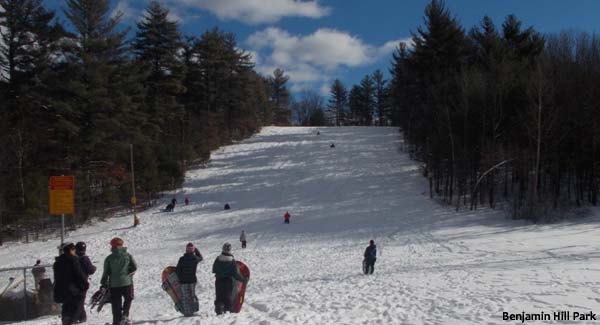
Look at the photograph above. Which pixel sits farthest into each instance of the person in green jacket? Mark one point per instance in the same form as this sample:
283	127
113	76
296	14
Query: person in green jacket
225	271
119	268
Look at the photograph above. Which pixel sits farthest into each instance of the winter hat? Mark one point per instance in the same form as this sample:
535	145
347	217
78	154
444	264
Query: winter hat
189	248
227	248
116	242
372	242
80	247
67	247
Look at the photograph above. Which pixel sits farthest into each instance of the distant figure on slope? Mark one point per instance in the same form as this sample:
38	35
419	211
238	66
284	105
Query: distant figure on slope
169	207
187	201
226	207
370	257
225	270
286	217
243	239
69	284
332	146
318	133
173	202
89	269
119	268
186	272
39	273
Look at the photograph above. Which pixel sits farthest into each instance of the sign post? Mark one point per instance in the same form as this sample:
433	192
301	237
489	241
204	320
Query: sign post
62	199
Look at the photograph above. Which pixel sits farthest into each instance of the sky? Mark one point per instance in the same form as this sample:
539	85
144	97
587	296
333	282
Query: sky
317	41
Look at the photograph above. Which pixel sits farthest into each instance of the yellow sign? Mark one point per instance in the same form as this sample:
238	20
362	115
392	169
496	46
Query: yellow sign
62	198
133	200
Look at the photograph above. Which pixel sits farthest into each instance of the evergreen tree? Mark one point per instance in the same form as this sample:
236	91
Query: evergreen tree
381	97
280	97
367	100
338	101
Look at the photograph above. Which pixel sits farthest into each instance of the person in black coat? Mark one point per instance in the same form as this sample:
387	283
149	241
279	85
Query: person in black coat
186	272
89	269
69	284
370	257
187	265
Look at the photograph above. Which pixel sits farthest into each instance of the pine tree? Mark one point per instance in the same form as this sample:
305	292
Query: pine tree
28	38
367	100
280	97
338	101
156	47
381	97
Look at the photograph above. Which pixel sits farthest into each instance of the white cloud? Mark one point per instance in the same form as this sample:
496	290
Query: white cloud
259	11
126	9
316	57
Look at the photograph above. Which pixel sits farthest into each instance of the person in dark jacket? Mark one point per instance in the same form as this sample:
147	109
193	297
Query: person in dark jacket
186	272
89	269
225	271
226	207
370	257
119	268
69	284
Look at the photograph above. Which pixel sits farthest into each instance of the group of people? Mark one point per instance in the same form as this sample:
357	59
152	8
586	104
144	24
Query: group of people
73	268
171	206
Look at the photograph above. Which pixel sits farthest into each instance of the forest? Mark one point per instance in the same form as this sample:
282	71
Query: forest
498	115
75	96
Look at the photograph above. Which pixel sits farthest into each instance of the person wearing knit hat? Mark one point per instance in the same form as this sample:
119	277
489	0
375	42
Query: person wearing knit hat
69	284
89	269
119	268
225	270
186	273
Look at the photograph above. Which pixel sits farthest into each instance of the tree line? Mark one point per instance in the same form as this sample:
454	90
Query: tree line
74	96
501	114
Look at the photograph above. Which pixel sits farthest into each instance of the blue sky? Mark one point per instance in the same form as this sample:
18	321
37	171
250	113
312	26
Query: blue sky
318	41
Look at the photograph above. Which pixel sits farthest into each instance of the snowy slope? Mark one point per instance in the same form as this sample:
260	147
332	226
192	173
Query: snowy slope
436	266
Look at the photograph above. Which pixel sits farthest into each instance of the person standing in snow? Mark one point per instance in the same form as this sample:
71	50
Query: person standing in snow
243	239
117	275
39	273
89	269
187	201
286	217
370	257
225	270
226	207
186	272
69	284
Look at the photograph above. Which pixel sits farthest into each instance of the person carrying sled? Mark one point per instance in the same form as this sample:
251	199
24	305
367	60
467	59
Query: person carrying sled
225	270
69	284
186	272
117	277
286	217
39	273
88	269
370	257
243	239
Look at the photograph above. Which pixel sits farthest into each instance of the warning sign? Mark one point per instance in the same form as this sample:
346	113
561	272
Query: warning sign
62	198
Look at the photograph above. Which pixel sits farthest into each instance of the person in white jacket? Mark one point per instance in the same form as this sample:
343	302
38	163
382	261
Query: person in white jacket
243	239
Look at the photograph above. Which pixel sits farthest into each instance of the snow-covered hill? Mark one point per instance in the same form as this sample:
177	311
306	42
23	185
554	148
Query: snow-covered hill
436	266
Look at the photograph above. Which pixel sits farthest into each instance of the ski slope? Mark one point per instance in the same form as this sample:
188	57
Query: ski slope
435	266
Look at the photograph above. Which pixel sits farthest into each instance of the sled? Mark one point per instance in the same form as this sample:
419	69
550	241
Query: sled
239	288
185	303
99	299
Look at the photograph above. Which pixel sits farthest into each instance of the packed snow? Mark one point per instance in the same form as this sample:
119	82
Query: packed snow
435	265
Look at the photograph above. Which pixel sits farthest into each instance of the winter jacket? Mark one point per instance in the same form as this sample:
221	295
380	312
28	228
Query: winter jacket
87	267
186	267
371	252
225	267
69	279
119	267
243	237
286	216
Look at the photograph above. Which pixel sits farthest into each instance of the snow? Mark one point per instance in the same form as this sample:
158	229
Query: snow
435	265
